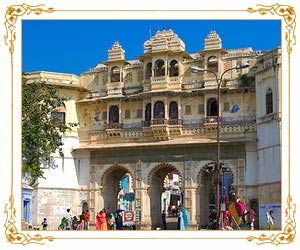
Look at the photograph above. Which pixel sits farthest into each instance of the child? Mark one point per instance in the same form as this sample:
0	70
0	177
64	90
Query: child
44	224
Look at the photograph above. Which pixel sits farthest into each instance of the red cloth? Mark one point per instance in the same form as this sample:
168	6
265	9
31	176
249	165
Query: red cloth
240	208
98	221
87	216
170	176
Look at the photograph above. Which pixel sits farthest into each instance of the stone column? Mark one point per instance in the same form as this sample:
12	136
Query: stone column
143	110
190	198
179	109
141	198
190	195
109	75
152	109
166	68
120	112
142	205
121	73
166	108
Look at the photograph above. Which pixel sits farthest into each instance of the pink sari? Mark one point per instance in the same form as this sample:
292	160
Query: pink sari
98	223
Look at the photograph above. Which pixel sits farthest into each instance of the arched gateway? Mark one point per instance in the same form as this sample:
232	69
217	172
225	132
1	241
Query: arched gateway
156	180
148	187
111	179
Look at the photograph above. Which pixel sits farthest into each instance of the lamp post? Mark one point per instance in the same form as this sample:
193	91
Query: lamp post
195	69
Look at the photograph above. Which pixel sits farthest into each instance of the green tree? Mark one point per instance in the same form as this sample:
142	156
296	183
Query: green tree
246	80
42	132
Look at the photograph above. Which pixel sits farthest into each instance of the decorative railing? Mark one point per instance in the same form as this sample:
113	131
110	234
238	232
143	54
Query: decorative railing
192	85
211	120
132	90
146	123
98	94
173	79
114	88
269	118
187	128
114	125
174	122
158	79
159	121
146	87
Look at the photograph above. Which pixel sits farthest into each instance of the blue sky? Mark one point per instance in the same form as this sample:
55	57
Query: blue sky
74	46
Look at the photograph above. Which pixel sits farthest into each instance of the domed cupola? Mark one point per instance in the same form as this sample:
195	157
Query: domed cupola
213	41
116	53
164	40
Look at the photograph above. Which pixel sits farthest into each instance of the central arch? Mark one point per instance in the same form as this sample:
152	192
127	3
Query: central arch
111	186
156	181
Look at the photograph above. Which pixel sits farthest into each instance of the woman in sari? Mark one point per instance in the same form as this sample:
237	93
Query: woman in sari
102	218
183	219
98	222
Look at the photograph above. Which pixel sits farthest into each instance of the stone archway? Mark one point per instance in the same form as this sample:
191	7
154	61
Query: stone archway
207	180
156	181
110	181
206	192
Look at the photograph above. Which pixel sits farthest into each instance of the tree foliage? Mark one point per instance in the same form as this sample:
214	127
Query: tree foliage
41	133
246	80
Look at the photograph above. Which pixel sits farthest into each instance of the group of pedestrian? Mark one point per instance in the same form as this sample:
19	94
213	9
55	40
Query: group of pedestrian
101	223
115	221
70	222
110	222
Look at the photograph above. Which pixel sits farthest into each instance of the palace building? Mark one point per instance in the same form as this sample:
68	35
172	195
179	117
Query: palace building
149	117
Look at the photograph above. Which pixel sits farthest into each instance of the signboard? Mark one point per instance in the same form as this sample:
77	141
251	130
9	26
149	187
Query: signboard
60	210
128	218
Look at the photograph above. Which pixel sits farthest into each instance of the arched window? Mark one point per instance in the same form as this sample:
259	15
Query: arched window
212	64
85	206
269	101
59	114
159	68
114	114
173	110
115	74
174	68
148	112
148	72
212	107
159	110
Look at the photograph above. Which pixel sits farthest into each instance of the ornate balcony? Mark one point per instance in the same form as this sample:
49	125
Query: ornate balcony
114	129
165	129
158	83
115	88
160	129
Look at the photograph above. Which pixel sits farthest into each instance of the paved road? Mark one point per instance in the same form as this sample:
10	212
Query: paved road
171	224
